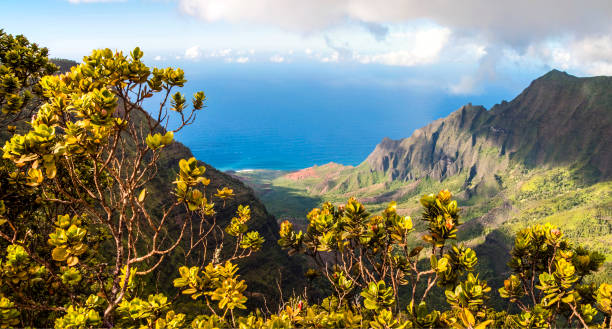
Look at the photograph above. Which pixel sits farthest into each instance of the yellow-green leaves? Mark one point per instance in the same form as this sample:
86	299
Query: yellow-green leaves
225	193
198	100
252	240
377	296
178	102
191	281
136	53
422	317
238	225
71	276
126	280
288	237
15	268
9	313
149	313
2	212
34	177
18	267
157	141
137	308
442	216
441	265
68	240
22	64
217	282
190	173
469	294
189	177
229	294
603	298
27	149
386	320
512	288
341	282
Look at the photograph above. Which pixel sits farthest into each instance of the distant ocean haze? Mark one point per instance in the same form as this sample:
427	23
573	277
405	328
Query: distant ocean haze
291	116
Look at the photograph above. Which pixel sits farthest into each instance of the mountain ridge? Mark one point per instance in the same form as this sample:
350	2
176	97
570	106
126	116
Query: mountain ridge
527	129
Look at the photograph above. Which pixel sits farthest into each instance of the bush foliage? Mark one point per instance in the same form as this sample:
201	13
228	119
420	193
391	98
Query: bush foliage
80	241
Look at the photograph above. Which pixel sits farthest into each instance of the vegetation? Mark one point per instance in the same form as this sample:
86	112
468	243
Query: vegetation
82	244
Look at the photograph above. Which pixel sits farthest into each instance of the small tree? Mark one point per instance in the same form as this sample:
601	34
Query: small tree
547	280
92	153
369	256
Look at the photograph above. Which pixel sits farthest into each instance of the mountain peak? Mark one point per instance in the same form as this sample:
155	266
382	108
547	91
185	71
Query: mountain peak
550	123
555	74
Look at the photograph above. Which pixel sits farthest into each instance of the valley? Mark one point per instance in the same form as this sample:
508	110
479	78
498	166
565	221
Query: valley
520	163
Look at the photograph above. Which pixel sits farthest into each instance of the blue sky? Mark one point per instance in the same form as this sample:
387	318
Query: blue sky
474	42
296	83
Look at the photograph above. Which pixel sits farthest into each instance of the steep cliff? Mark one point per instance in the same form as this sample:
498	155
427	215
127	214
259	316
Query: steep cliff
558	120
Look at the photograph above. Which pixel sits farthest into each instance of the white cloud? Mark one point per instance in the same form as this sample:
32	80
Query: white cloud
593	53
517	22
466	85
242	60
415	32
221	53
590	55
423	47
334	57
158	58
194	52
277	59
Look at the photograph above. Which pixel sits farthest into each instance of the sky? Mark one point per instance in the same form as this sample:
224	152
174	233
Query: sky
476	42
294	83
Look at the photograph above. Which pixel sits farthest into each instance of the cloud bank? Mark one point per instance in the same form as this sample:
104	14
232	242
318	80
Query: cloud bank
517	23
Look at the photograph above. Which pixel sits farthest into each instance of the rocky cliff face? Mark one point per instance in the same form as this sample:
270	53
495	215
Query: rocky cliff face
558	120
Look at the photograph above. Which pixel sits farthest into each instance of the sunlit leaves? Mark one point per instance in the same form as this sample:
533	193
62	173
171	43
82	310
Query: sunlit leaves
252	240
441	214
604	298
22	64
68	240
71	276
157	141
512	288
217	282
9	314
178	102
377	296
225	193
190	176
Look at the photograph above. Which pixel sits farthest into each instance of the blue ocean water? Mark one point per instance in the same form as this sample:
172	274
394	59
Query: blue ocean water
292	116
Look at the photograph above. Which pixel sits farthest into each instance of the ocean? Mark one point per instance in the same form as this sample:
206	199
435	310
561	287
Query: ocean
292	116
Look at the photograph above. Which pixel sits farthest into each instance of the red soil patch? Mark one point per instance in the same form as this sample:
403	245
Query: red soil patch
311	172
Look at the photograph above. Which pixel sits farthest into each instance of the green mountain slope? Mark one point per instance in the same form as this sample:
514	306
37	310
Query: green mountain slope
544	156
